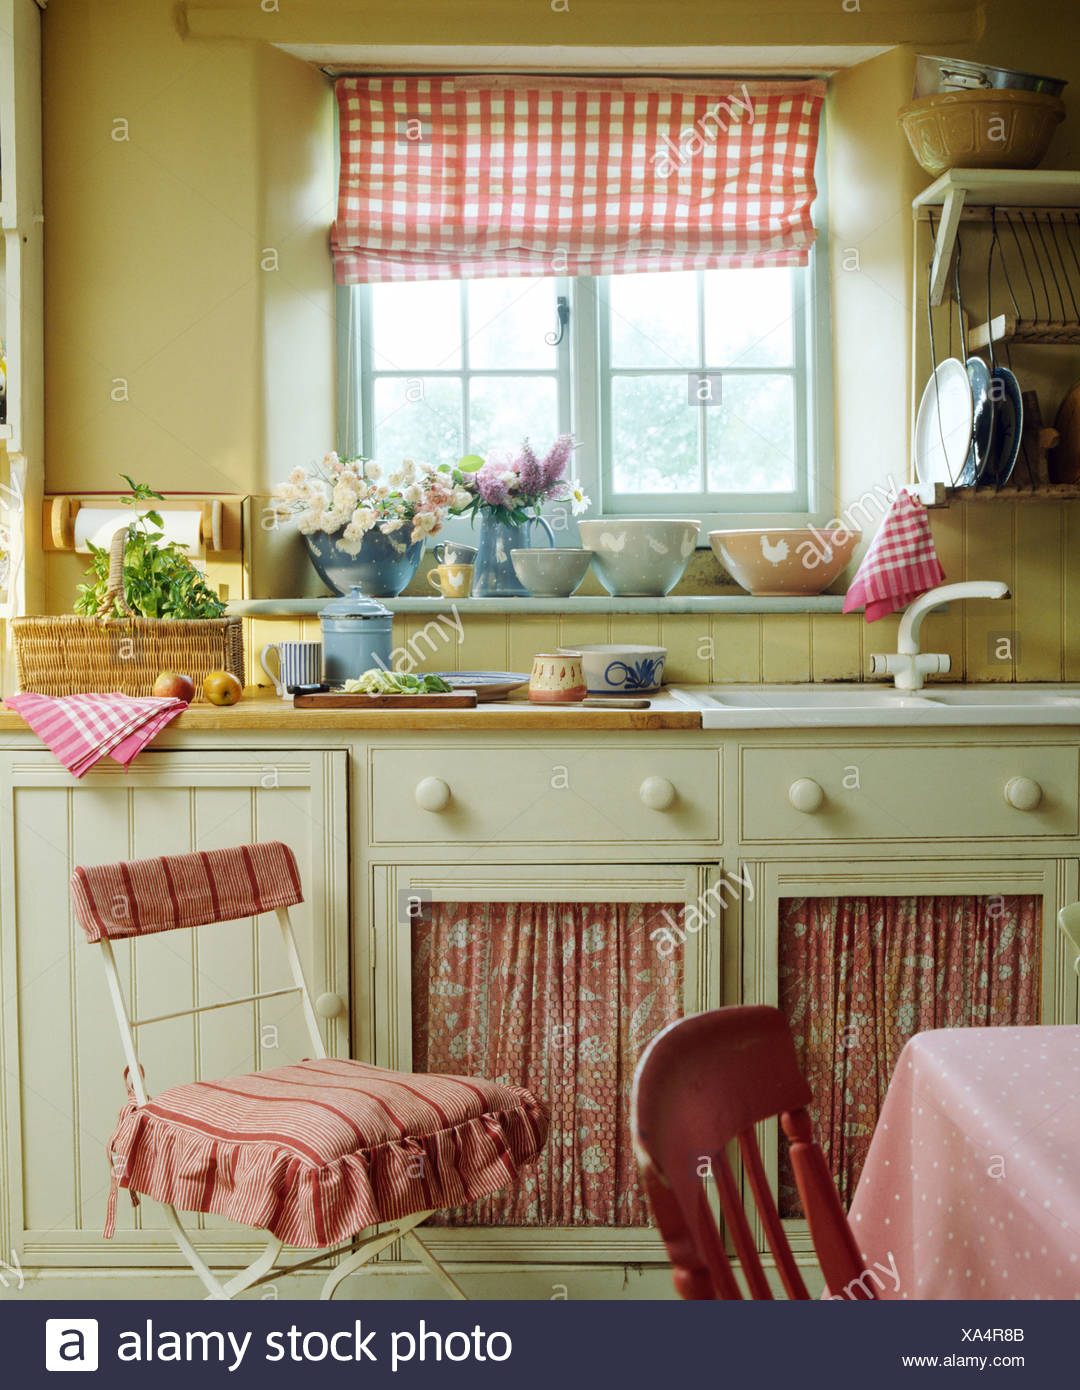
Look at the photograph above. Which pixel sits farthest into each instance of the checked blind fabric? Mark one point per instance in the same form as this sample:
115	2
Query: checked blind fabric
468	177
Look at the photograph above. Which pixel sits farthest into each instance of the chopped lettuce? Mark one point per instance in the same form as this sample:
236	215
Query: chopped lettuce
380	682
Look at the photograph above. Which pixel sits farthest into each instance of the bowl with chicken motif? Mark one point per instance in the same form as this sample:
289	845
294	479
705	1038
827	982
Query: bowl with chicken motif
785	561
639	557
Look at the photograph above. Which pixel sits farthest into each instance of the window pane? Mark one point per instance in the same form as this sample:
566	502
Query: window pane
508	320
654	435
750	438
748	318
504	410
654	320
418	418
416	326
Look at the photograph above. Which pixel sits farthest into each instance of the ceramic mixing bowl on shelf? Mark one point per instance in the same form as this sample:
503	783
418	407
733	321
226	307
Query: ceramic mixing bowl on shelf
798	562
620	668
551	573
639	557
999	129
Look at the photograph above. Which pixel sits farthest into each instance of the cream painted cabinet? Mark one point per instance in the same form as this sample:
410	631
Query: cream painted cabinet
553	976
976	943
61	1060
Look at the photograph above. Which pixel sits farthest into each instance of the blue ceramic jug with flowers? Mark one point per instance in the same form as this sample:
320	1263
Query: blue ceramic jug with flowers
507	493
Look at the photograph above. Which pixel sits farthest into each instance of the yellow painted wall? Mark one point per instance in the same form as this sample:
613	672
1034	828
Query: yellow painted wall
169	166
156	243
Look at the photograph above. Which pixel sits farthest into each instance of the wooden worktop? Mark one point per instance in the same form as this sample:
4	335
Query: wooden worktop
259	711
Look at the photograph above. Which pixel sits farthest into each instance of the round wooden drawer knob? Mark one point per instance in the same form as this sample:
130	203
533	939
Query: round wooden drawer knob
1022	793
432	794
330	1005
657	793
806	795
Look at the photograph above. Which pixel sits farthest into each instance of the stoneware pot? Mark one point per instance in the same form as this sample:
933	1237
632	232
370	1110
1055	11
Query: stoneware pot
382	567
557	679
795	561
621	668
639	557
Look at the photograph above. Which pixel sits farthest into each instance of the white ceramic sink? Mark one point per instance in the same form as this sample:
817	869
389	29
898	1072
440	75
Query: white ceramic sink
996	697
805	697
810	706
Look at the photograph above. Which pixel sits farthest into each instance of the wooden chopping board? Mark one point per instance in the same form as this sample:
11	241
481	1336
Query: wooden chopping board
1065	458
336	699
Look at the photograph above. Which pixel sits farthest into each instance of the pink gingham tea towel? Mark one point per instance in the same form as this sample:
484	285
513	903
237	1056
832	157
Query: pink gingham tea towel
81	729
900	565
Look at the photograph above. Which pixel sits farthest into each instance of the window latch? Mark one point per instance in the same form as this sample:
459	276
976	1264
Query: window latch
562	309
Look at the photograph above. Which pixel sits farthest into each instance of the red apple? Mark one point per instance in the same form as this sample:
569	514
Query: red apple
172	685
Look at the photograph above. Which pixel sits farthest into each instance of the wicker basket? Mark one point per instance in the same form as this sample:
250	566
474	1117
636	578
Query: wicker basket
68	655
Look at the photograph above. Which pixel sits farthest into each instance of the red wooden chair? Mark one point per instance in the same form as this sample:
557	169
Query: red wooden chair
327	1154
702	1083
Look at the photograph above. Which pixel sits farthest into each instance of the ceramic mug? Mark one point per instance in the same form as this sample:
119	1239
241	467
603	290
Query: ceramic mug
557	679
452	581
299	663
454	553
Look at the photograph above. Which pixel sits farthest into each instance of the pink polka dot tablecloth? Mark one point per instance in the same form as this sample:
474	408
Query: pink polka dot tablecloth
971	1188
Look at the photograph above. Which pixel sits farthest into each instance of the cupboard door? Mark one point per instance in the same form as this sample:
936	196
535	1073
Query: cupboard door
861	955
62	1063
556	978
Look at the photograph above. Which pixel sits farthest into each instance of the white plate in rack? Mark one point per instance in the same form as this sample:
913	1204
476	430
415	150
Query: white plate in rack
943	425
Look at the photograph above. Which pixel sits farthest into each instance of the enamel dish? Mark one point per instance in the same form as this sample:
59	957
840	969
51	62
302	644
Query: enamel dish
943	427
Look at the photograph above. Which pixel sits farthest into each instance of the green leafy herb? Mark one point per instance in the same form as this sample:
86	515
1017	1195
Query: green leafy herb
159	579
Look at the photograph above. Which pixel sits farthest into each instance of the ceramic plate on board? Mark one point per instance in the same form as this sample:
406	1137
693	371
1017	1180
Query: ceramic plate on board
1008	426
982	429
944	424
489	685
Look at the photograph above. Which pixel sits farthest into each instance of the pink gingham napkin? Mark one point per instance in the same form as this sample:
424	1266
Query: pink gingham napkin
81	729
900	565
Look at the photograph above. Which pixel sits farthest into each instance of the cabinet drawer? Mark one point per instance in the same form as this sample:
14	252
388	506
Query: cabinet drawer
557	796
908	792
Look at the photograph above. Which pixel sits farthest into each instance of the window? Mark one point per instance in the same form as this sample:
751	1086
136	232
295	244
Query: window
470	206
700	392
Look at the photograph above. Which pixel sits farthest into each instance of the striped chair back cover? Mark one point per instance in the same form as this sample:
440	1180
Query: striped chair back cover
139	896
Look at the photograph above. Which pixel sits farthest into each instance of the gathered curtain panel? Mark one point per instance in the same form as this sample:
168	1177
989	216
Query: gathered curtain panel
859	976
469	177
563	998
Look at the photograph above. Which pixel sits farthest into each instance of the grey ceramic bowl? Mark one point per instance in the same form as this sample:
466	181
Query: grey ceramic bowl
639	557
551	572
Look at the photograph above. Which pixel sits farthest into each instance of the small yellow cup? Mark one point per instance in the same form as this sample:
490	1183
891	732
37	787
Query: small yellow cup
452	581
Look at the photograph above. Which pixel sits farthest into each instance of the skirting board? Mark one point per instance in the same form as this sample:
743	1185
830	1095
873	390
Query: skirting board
549	1283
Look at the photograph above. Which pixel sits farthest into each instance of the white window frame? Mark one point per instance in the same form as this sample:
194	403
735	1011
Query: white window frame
583	393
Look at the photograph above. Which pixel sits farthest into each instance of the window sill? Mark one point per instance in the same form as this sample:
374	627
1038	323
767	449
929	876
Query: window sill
686	603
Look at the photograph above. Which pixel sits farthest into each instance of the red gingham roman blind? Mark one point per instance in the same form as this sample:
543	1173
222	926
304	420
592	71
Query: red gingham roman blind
464	177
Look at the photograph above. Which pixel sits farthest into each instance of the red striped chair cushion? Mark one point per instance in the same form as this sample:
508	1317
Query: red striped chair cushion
318	1151
140	896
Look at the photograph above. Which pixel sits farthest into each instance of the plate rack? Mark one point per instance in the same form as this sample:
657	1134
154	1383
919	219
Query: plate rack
1033	217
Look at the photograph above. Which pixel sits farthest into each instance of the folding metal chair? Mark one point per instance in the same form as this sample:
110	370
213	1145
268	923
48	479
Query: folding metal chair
329	1153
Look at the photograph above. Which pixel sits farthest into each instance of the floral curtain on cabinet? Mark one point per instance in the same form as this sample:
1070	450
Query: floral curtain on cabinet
561	998
859	976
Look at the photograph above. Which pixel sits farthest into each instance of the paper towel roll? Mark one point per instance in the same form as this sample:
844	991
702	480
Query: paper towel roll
100	524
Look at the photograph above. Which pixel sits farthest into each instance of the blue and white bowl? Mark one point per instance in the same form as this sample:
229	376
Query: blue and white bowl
621	668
